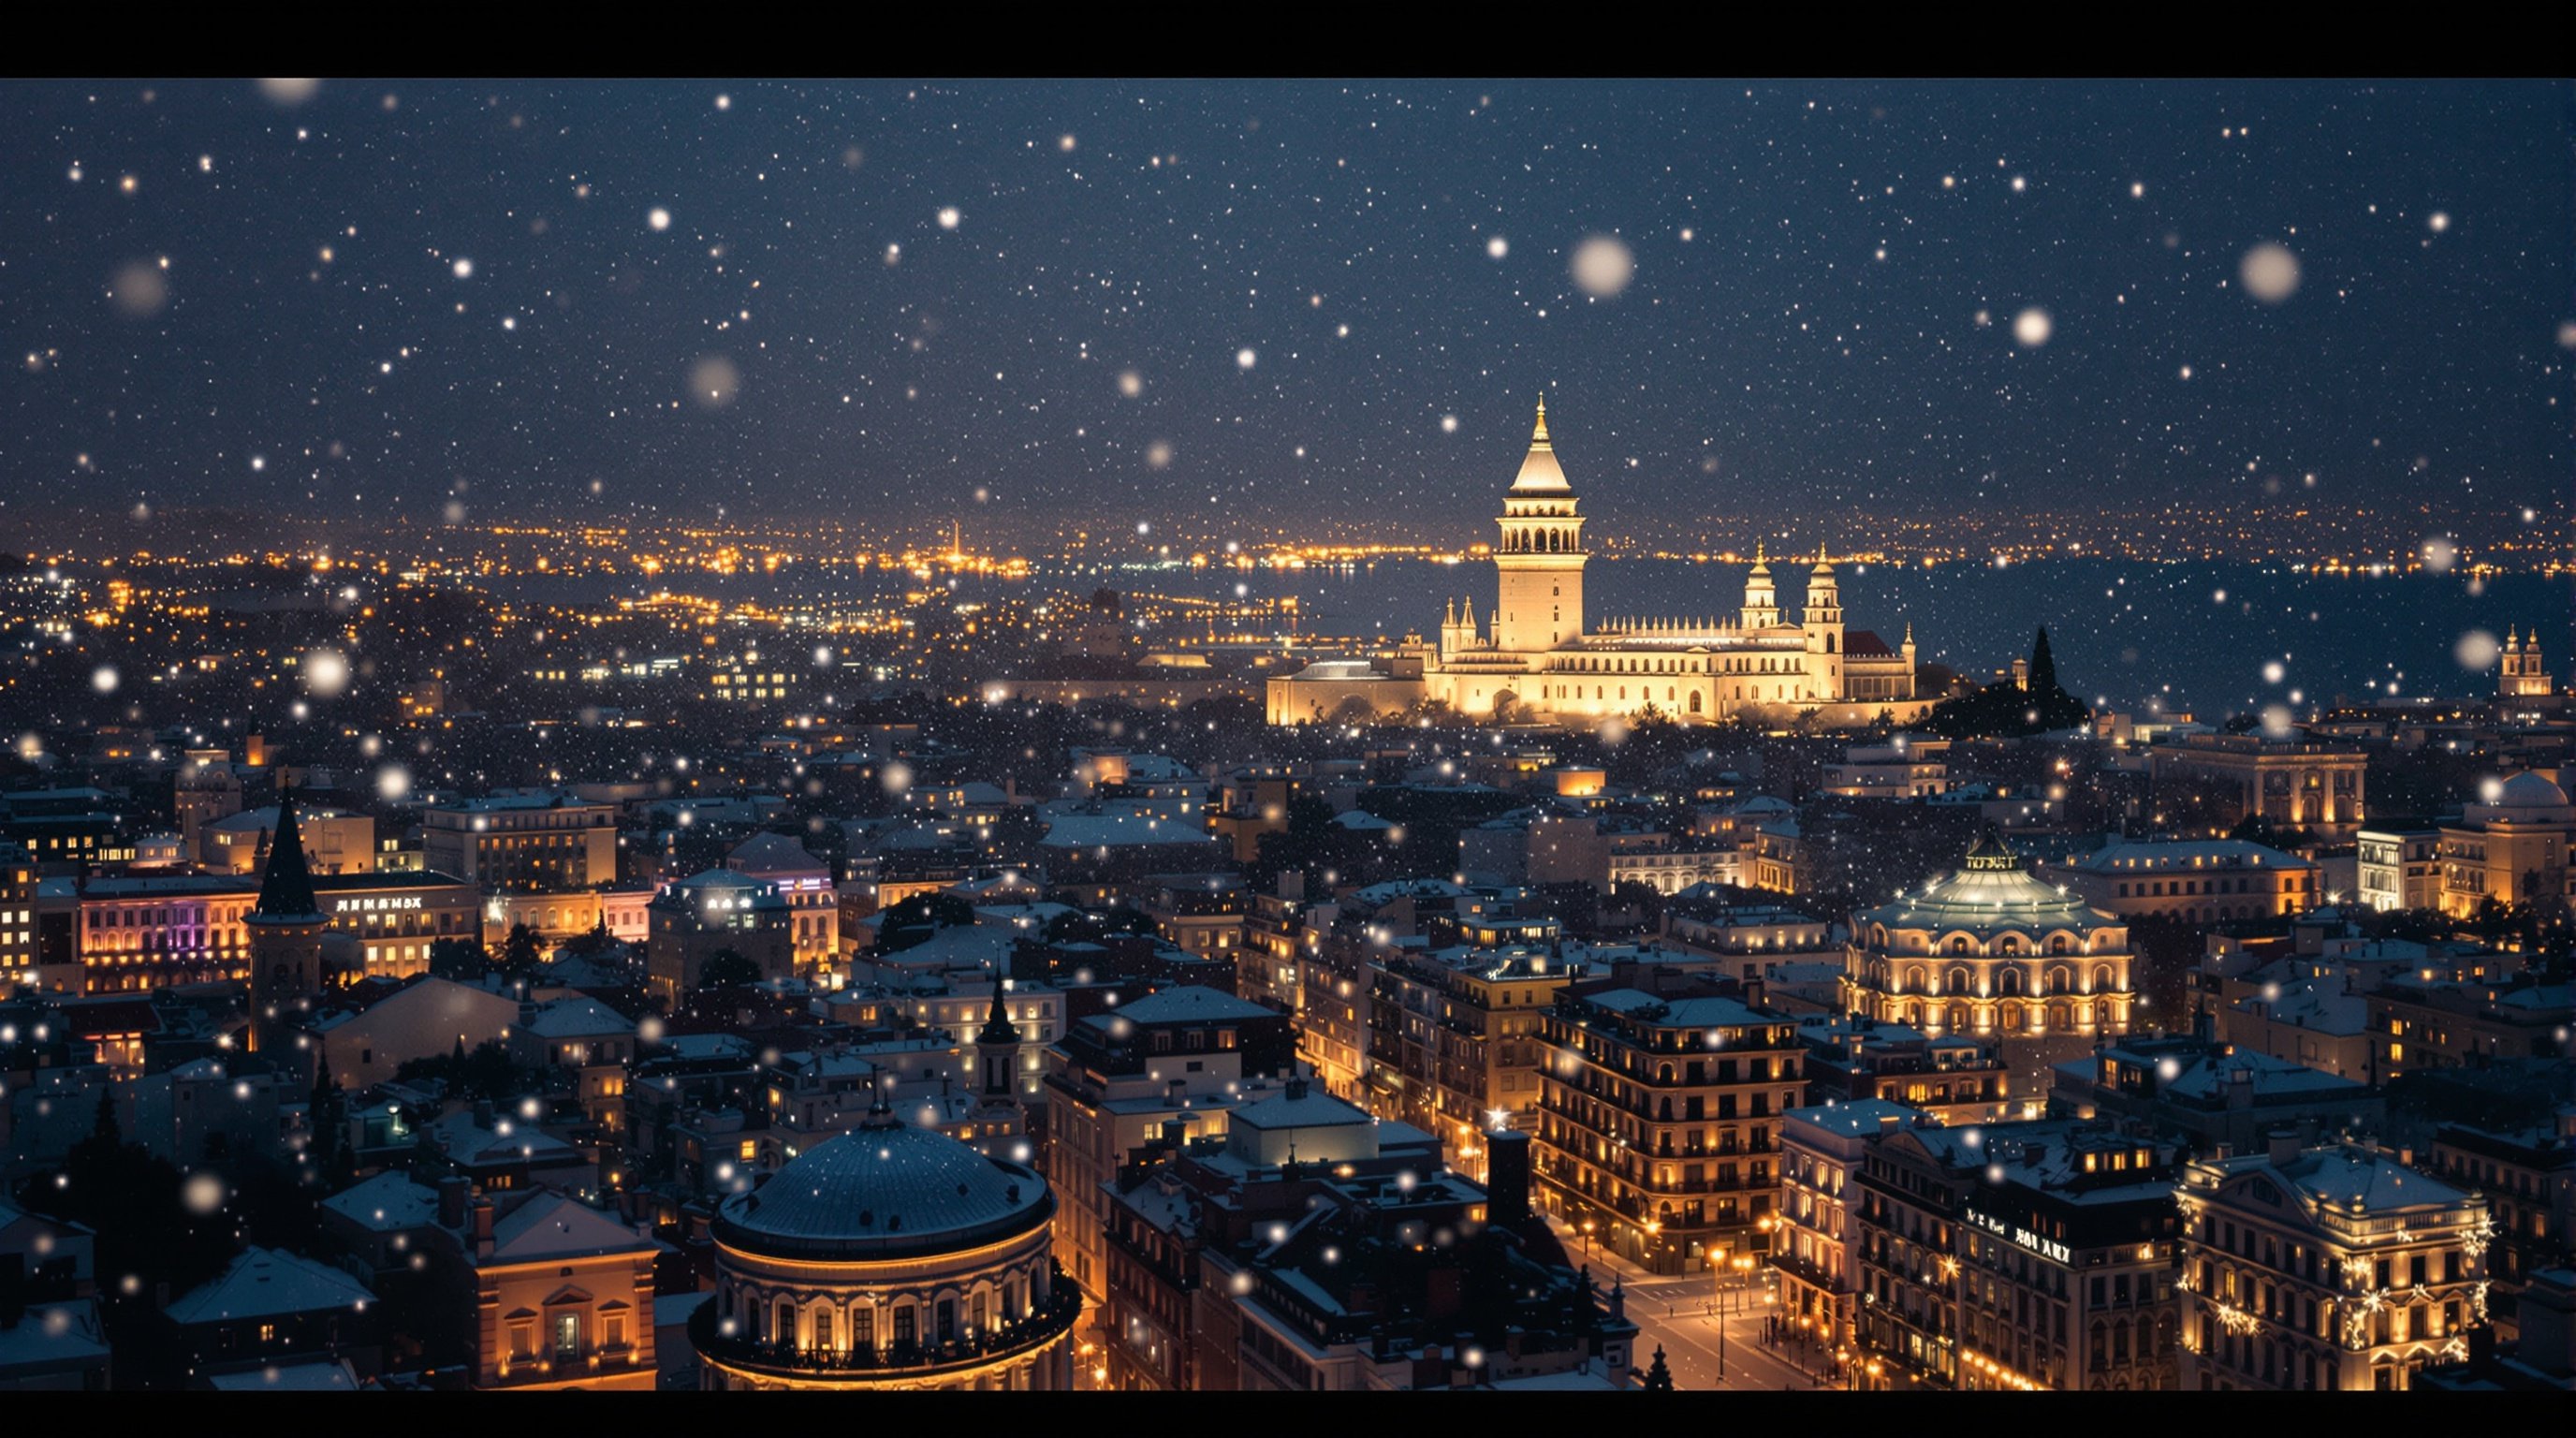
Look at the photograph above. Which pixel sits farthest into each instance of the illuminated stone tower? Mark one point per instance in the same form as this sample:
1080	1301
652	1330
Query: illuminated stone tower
1541	555
1823	621
2522	677
286	925
1761	603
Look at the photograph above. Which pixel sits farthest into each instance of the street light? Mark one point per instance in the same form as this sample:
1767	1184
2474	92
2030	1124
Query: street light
1587	1240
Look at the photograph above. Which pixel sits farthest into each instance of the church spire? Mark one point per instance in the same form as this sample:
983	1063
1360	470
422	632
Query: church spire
286	888
1539	435
997	1029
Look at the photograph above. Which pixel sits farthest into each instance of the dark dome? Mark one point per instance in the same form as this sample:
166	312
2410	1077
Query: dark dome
885	1191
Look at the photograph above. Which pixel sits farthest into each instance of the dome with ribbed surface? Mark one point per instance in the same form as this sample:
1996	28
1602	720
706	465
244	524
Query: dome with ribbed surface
1992	892
882	1190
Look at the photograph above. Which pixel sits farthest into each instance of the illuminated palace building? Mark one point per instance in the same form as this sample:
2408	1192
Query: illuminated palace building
147	933
1995	953
1538	659
889	1257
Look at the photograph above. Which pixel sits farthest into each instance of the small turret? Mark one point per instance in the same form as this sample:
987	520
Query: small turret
1761	602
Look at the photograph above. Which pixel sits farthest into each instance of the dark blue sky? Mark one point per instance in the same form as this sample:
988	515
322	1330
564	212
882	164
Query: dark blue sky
1802	332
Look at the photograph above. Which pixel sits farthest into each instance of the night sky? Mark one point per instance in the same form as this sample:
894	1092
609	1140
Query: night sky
903	303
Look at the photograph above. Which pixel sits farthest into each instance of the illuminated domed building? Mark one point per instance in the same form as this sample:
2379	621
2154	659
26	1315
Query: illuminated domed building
1544	659
1992	952
890	1257
2513	846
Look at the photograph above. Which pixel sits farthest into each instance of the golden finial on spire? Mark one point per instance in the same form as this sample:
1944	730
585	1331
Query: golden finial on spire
1540	435
1759	555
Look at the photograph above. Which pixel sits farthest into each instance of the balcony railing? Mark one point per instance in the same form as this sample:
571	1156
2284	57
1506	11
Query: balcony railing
1053	1318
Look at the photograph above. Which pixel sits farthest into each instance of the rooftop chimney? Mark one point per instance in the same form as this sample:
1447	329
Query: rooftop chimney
2281	1145
453	1191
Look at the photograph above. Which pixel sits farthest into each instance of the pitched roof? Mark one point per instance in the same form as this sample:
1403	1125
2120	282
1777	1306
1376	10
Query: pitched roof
265	1282
387	1203
551	1226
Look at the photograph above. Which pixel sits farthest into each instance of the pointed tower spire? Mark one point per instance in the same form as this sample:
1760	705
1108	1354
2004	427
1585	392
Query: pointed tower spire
1540	434
997	1019
286	888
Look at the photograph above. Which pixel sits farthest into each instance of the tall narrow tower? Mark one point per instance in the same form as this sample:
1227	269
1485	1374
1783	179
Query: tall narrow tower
998	1112
1761	602
1823	621
1541	555
286	924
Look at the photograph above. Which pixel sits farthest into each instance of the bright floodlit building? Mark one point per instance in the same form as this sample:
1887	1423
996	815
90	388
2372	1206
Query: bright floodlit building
1540	658
1993	952
890	1257
2326	1268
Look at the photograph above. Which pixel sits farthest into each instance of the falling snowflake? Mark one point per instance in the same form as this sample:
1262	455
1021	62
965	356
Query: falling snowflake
1603	267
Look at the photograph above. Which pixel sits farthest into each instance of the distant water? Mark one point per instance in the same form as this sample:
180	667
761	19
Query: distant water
2123	630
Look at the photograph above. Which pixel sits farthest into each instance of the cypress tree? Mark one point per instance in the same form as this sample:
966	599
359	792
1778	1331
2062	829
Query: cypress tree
2043	666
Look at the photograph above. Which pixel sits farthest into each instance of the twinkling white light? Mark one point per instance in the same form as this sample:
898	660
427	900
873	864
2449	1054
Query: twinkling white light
464	268
2032	327
1130	383
660	219
897	777
1603	267
948	218
203	1193
2438	221
2273	672
392	782
289	92
2440	553
1244	358
1497	247
2476	650
103	679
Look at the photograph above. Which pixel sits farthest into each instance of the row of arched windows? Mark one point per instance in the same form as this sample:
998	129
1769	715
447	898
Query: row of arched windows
820	1323
1540	541
2008	983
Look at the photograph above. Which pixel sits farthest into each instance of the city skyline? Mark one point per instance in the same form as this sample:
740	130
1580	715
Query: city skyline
1537	737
